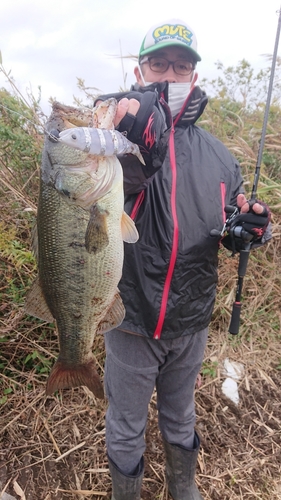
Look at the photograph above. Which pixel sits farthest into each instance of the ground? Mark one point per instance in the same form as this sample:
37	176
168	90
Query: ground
54	448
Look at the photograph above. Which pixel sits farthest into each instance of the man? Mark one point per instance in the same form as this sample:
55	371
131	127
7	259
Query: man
169	276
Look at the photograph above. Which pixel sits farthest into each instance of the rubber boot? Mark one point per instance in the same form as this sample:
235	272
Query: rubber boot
125	486
180	470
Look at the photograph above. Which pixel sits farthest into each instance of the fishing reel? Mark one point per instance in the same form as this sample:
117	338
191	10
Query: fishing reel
236	232
236	239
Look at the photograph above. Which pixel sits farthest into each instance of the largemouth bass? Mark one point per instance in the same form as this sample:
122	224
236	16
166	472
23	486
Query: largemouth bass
81	227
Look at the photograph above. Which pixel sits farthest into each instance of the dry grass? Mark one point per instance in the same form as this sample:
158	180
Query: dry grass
54	448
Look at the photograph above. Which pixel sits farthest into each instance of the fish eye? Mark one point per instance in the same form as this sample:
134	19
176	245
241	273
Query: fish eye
73	136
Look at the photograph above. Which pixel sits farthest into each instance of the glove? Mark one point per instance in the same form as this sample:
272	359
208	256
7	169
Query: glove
247	227
146	129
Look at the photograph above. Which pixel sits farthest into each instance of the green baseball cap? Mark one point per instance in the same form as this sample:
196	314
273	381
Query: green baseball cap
170	33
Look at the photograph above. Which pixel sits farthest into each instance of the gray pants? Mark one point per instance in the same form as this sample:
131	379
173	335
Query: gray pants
134	366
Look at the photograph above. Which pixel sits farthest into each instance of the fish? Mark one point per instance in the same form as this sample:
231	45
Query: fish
81	227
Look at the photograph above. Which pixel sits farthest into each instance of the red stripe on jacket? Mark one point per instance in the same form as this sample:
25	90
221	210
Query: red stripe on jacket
223	194
167	284
137	205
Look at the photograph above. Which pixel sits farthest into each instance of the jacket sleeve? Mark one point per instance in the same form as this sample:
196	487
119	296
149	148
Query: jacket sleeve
237	184
150	130
137	175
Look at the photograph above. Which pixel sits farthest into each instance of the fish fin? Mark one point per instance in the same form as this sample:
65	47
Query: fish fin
35	303
139	156
129	230
96	237
114	315
65	376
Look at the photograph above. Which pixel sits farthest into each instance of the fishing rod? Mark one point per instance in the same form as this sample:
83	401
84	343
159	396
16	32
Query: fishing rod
238	231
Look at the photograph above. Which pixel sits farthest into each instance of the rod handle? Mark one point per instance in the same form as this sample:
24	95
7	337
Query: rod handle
243	261
235	318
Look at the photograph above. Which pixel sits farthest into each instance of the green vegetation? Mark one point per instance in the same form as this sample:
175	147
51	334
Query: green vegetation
234	115
209	369
29	346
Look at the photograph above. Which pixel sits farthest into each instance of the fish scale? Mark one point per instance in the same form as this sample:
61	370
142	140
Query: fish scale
81	227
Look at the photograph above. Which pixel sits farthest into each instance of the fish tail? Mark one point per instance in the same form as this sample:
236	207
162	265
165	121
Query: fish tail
65	376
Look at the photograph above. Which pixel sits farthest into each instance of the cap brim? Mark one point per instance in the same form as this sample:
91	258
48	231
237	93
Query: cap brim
160	45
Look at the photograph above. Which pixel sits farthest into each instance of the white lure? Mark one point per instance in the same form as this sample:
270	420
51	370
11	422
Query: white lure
98	141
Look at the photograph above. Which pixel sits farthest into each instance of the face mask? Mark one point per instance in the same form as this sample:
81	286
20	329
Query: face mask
177	94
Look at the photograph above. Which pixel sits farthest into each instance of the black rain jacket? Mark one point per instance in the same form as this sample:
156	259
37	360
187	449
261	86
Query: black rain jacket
169	276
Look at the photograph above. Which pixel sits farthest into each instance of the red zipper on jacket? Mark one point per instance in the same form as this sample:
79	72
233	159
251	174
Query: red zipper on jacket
223	195
167	284
137	205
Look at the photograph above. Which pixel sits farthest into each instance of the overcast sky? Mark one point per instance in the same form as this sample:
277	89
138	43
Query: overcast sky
52	42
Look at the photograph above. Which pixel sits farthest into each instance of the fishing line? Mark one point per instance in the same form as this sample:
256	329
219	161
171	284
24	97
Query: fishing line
51	136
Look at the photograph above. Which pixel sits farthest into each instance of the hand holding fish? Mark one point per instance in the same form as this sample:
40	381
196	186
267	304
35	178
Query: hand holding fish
144	122
125	105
